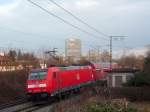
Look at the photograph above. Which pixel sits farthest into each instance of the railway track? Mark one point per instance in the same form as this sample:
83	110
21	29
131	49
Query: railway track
25	107
31	106
22	105
10	104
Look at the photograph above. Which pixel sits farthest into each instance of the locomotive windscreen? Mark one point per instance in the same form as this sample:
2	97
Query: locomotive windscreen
38	75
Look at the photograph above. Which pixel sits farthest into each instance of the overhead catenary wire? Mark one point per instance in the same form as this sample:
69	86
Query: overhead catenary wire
22	32
65	21
78	19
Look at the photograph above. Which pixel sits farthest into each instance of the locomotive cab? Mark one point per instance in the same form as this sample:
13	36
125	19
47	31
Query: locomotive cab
37	83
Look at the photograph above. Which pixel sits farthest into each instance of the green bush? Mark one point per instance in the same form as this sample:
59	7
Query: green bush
131	110
108	108
140	79
101	108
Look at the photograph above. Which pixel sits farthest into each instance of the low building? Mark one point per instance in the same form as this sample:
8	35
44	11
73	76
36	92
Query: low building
6	64
117	77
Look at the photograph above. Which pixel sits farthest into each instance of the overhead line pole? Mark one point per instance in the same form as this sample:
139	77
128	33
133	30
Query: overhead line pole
110	52
111	45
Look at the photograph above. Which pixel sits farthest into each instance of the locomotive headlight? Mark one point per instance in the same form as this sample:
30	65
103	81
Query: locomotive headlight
42	85
31	86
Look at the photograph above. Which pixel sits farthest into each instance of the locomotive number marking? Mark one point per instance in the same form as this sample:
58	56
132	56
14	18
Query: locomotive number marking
78	76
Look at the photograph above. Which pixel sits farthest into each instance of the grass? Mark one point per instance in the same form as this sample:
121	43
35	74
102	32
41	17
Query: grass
87	102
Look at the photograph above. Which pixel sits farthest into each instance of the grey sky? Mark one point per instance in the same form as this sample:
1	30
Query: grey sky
24	25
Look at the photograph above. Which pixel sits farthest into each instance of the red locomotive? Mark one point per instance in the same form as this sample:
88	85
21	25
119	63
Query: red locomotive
55	80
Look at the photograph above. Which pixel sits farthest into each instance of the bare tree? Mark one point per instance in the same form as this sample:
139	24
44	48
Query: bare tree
131	61
147	63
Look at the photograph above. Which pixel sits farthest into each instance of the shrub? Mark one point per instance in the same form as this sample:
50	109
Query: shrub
131	93
14	84
131	110
101	108
108	108
140	79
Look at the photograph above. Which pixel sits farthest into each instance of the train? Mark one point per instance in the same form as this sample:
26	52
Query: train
54	81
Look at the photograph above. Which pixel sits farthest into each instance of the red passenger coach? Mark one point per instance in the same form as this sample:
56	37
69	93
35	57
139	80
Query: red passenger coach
54	80
99	72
